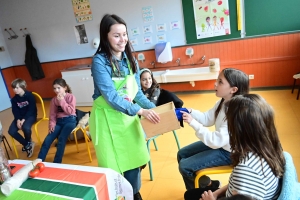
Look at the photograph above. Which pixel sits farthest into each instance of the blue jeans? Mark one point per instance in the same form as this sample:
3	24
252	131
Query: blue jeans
198	156
133	176
26	128
62	130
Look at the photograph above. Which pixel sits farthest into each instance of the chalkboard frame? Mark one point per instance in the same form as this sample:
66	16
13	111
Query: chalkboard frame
190	29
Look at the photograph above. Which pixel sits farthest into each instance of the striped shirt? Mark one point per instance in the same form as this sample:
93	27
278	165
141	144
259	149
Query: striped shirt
253	177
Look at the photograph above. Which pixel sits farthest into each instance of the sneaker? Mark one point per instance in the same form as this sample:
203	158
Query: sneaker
205	181
137	196
29	149
23	149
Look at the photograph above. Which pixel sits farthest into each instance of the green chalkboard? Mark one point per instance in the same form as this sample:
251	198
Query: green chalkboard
271	16
190	29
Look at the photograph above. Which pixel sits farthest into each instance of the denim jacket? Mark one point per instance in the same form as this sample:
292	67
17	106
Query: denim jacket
103	85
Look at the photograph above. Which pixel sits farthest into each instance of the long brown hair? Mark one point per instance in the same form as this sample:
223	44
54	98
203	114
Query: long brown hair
252	129
104	46
235	78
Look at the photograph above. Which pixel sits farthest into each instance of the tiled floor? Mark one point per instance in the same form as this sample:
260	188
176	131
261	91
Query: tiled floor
167	183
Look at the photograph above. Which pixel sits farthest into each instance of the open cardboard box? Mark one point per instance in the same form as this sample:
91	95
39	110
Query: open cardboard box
168	121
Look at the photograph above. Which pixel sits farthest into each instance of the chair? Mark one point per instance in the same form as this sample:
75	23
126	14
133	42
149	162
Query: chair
5	142
86	138
296	76
290	185
38	100
82	124
212	170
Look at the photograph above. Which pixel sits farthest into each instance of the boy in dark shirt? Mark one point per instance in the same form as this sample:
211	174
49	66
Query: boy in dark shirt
25	113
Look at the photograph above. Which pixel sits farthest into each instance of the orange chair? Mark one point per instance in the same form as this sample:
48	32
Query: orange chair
212	170
38	100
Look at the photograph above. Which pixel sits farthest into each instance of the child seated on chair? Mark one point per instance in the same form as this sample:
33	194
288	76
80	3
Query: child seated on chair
256	152
25	113
213	149
62	120
154	93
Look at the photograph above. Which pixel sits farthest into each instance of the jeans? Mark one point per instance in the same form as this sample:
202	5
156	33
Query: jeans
198	156
133	176
62	130
26	128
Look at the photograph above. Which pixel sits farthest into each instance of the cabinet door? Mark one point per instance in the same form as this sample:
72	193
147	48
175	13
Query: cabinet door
82	87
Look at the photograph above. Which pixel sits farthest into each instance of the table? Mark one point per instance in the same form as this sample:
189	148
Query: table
63	181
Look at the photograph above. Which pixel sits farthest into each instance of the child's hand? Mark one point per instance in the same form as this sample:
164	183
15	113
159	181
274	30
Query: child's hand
208	196
60	96
51	129
186	117
19	124
22	122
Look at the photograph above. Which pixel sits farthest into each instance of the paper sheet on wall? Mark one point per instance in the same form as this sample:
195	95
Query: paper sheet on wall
82	10
211	18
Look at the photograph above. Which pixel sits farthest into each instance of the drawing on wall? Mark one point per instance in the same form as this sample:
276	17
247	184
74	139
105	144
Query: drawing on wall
134	42
161	38
147	13
148	29
80	34
161	27
82	10
135	31
174	25
147	39
211	18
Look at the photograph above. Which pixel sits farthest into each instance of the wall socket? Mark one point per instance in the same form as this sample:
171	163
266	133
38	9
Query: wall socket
251	76
2	48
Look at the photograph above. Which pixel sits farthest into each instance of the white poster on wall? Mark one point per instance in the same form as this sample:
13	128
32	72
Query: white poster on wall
211	18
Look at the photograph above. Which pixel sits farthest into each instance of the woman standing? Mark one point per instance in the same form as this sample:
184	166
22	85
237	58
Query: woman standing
115	128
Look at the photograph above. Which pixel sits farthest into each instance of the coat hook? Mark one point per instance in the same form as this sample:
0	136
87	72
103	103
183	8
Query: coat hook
9	34
24	34
25	29
15	35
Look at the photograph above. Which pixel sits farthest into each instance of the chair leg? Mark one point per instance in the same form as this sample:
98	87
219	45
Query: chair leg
294	85
37	134
176	138
150	163
5	140
86	138
75	138
155	145
15	148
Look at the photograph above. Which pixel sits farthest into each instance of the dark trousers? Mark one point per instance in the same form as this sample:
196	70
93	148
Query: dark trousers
26	128
195	194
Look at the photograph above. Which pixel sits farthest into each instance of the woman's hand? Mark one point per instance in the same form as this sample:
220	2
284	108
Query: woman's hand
208	196
186	117
150	115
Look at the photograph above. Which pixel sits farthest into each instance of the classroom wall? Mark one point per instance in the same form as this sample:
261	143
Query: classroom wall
51	25
272	59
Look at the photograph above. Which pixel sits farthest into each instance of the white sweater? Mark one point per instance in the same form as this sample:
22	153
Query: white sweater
214	139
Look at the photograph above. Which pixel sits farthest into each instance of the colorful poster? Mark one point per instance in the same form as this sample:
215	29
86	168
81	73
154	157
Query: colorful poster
211	18
147	13
82	10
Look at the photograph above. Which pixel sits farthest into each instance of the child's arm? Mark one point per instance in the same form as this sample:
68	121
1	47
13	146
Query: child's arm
155	95
52	115
31	110
15	109
68	104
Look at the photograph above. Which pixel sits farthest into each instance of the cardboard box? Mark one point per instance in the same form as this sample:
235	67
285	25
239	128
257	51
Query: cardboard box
168	121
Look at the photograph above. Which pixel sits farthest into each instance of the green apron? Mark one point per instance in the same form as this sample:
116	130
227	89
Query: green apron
118	138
